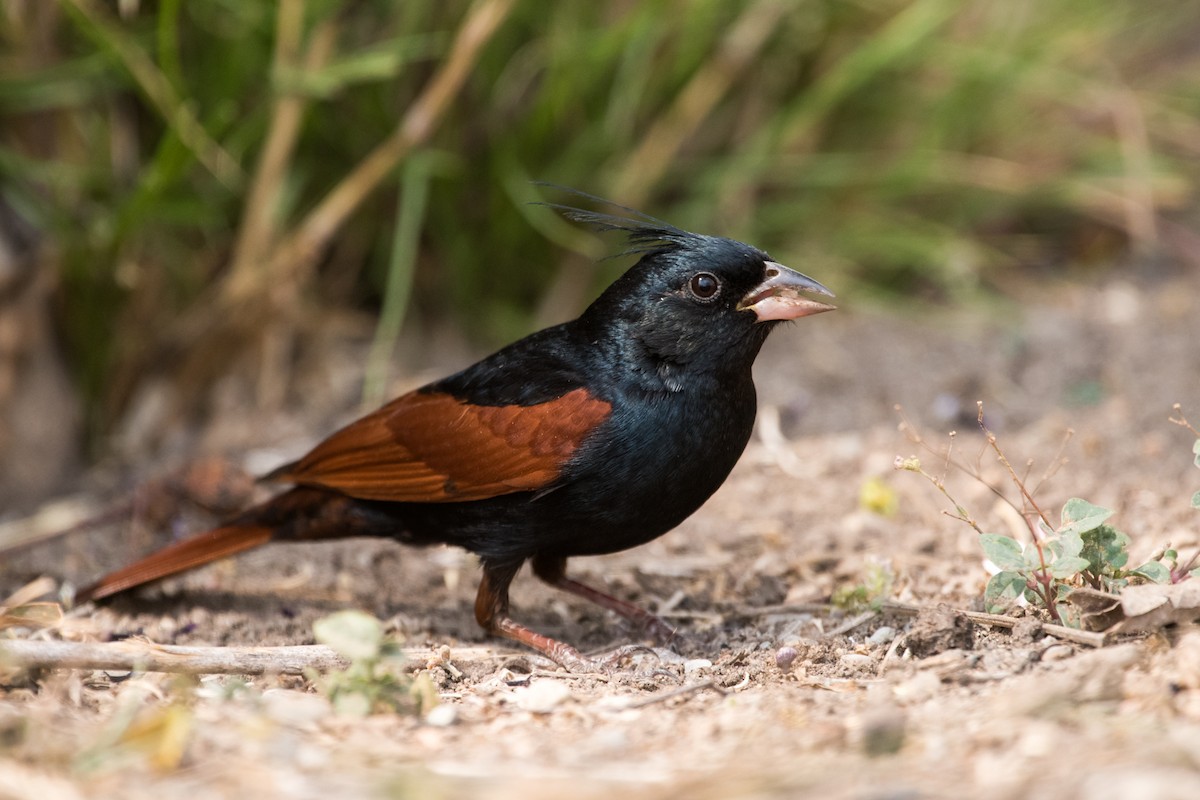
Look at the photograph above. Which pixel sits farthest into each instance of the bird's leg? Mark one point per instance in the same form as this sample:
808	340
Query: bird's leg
491	612
554	572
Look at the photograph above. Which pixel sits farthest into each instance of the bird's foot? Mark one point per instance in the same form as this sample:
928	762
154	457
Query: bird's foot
564	654
652	625
603	663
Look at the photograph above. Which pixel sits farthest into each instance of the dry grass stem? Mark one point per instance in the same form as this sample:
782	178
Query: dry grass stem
145	656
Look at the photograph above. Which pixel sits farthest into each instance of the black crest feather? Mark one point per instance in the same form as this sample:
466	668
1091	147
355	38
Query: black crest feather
645	233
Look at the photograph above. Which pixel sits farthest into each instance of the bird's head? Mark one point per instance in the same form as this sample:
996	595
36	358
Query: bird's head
695	301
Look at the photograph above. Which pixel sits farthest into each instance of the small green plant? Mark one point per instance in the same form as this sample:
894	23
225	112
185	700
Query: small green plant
875	587
1082	550
374	681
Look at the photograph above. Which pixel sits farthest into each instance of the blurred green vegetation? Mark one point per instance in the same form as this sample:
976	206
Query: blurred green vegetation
201	172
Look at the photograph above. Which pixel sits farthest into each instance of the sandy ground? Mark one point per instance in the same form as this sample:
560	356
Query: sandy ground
875	705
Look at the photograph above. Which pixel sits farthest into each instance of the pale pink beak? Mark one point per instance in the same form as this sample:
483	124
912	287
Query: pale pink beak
778	297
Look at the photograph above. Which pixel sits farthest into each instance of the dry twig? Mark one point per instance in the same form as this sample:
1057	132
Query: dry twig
1089	638
150	657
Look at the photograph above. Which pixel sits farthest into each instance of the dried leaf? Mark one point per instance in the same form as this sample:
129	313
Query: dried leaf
31	615
876	496
1151	606
161	733
1098	611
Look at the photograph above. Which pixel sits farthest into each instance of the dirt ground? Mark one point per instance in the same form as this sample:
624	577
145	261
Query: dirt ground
874	705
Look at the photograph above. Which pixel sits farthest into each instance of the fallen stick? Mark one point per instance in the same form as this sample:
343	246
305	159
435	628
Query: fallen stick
144	656
1089	638
150	657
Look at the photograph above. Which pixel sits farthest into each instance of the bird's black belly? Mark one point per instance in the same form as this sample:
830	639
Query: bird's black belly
641	475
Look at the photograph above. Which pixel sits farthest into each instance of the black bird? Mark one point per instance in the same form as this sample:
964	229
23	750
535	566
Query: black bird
588	437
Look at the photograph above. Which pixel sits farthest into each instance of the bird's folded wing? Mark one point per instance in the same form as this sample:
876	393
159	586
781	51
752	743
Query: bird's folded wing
431	447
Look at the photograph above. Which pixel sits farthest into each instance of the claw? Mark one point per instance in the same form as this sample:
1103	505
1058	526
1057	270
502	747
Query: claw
553	572
618	654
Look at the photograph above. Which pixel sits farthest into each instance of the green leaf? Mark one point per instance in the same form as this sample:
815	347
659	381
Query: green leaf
1196	500
374	63
1105	548
1002	590
1034	598
1154	571
1067	566
1080	515
1072	543
1067	614
1003	551
353	634
1050	552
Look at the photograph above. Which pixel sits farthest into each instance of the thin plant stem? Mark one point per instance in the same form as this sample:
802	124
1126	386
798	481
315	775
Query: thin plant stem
410	216
157	88
1182	421
260	213
301	248
1025	493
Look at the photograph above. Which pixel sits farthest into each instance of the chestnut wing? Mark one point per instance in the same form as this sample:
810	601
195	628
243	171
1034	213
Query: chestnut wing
431	447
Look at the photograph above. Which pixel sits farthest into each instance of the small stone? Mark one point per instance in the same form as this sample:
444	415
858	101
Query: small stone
882	635
442	716
1027	631
857	660
543	696
696	664
939	629
785	657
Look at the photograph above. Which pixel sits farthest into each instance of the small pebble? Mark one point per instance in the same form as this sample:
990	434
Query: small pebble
542	696
883	635
694	664
1027	631
785	657
442	716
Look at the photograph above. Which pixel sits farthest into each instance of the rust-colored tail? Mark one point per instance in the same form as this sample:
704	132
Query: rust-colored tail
299	514
194	552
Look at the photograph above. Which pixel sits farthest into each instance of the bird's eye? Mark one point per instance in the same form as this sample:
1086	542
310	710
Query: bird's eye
704	286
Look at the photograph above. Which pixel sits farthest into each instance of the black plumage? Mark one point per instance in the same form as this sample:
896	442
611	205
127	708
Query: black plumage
589	437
